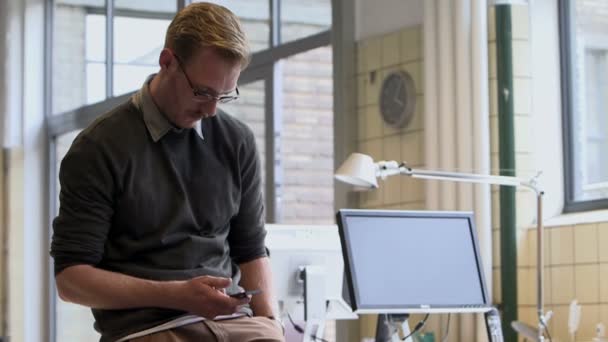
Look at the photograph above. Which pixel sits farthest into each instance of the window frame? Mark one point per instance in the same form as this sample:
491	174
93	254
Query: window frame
571	204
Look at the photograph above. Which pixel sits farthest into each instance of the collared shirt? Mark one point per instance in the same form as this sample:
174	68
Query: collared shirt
143	198
156	123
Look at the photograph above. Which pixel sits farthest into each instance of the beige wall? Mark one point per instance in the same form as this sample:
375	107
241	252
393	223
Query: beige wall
376	58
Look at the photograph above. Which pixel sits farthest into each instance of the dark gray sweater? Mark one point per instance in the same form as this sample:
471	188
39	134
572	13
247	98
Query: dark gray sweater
145	199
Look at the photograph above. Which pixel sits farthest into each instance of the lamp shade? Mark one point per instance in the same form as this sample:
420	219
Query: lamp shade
359	170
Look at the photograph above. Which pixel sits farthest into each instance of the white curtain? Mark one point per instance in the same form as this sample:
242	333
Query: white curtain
457	127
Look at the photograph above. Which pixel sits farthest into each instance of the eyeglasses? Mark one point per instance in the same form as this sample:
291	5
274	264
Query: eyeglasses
204	96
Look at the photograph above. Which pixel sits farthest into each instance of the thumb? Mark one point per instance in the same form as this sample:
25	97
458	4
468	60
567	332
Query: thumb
217	282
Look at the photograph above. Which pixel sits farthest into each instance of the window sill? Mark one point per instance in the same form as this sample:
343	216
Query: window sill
570	219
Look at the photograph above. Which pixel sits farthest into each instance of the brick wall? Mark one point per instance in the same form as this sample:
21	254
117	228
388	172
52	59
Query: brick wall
307	138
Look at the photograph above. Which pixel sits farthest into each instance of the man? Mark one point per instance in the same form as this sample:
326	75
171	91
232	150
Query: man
161	214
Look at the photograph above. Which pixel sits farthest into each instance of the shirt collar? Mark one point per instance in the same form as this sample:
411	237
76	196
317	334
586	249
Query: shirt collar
156	123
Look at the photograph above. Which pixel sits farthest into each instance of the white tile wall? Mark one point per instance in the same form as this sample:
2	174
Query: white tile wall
520	25
522	100
521	58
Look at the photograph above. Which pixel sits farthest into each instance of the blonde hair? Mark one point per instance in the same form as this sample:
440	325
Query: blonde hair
205	25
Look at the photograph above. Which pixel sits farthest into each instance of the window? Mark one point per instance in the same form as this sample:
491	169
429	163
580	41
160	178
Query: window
137	45
77	57
255	18
584	46
300	19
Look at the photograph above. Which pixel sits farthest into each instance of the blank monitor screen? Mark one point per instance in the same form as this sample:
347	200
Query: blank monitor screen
404	261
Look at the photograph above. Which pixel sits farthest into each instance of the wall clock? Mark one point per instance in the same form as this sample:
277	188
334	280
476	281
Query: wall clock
397	99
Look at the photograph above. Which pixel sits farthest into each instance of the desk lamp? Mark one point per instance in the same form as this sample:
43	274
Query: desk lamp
361	171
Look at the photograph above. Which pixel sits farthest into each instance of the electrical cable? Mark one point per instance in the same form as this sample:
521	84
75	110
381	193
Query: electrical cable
447	329
417	327
546	330
301	330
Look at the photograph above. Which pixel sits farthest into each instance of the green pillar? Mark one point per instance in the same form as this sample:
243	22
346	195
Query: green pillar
506	131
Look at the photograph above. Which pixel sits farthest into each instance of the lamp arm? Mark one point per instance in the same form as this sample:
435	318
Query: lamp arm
471	177
386	169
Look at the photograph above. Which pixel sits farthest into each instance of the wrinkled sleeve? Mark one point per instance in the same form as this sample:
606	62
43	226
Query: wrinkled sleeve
247	232
86	206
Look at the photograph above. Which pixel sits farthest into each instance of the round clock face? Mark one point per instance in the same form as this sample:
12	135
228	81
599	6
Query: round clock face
397	99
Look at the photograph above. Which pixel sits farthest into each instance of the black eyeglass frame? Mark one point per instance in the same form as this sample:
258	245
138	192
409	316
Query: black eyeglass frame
203	96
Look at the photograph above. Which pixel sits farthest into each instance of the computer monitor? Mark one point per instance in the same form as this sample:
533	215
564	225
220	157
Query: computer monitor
301	253
412	261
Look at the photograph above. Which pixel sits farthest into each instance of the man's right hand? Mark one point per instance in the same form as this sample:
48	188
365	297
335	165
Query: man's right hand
96	288
206	296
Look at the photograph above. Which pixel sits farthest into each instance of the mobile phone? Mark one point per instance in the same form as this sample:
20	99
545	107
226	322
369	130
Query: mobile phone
244	294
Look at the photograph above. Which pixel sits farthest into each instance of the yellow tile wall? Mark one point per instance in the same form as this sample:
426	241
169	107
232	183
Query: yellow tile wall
376	58
574	269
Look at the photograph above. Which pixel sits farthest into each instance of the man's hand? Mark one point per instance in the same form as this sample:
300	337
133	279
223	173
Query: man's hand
206	296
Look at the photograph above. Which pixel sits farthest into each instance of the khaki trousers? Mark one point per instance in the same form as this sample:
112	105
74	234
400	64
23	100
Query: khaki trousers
243	329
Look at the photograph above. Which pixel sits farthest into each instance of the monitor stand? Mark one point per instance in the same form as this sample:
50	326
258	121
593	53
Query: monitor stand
386	328
315	306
